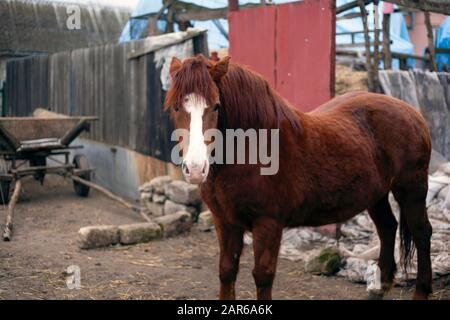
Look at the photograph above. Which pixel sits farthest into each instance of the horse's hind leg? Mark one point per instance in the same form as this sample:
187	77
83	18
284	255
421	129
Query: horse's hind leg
414	221
386	225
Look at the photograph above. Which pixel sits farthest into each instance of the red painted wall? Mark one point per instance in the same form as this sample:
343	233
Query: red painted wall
292	45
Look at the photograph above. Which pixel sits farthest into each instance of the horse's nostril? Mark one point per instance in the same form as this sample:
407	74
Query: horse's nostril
184	168
204	168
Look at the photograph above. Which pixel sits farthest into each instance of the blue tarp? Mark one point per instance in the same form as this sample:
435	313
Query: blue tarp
443	42
216	39
399	32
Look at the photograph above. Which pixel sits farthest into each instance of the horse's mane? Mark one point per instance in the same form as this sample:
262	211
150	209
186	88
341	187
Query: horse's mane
248	101
246	98
192	77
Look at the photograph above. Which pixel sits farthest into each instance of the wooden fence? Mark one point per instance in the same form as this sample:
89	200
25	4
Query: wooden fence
125	93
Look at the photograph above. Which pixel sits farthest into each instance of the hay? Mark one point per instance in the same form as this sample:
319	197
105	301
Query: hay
349	80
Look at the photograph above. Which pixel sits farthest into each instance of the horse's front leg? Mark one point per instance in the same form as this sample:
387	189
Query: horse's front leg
267	234
231	241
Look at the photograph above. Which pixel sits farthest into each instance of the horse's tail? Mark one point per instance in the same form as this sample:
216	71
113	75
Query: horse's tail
406	244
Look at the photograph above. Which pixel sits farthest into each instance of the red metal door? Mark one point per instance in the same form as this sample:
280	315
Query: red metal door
292	45
305	52
252	39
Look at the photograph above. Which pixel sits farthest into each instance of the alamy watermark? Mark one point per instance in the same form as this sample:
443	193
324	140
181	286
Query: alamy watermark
236	147
73	21
73	279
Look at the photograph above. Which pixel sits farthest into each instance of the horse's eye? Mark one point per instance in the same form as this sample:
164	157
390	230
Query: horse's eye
216	107
176	109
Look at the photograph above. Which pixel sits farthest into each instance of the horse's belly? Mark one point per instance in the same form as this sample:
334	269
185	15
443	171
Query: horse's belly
341	209
320	218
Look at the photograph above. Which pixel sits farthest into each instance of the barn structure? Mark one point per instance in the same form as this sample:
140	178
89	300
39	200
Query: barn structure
38	27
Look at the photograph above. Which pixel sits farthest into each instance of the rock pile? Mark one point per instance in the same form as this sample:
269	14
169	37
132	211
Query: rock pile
164	196
174	206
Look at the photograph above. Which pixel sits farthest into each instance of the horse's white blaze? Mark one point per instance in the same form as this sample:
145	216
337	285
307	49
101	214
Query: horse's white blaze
196	155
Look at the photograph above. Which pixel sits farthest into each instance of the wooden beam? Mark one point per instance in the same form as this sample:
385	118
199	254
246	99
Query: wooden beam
112	196
207	13
370	80
376	41
202	15
350	15
438	6
387	57
350	5
233	5
7	233
433	66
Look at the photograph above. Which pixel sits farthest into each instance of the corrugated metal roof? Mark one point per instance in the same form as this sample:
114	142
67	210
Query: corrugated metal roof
40	26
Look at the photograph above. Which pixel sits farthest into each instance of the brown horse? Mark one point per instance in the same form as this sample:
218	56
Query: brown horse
334	162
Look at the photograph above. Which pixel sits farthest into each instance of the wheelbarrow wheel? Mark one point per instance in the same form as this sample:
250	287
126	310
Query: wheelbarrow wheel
81	162
5	185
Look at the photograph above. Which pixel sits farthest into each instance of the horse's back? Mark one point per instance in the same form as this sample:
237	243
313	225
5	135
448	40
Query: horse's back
399	131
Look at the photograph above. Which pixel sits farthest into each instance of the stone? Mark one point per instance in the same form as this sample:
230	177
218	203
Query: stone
146	197
183	192
328	262
205	221
159	198
159	184
97	236
171	207
203	207
139	232
156	209
354	270
443	193
436	161
146	188
175	224
156	185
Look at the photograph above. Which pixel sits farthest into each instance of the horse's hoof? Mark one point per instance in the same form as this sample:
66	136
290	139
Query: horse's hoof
375	295
419	296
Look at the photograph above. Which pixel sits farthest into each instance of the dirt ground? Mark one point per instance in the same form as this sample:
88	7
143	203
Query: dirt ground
33	264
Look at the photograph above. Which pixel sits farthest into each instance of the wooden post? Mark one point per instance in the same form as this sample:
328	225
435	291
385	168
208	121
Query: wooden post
233	5
7	234
432	50
362	7
152	28
387	41
169	20
112	196
376	44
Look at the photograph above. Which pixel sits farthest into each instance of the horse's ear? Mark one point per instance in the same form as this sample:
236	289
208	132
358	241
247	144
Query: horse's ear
220	68
175	65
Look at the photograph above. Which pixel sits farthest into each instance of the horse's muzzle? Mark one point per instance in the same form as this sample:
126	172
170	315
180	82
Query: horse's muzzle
195	173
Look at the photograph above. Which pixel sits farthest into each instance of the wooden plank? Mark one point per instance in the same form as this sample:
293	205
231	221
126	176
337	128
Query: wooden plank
376	40
387	41
430	37
350	5
438	6
141	110
133	102
369	68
